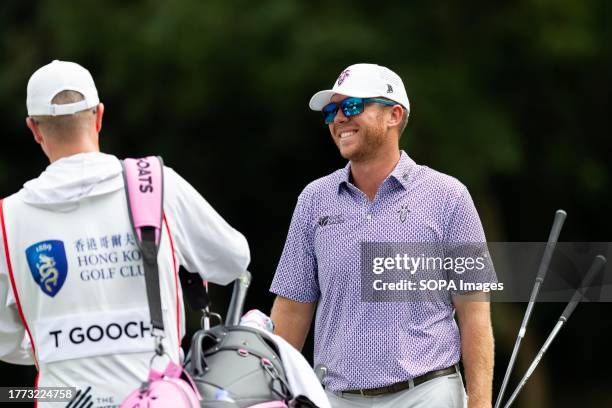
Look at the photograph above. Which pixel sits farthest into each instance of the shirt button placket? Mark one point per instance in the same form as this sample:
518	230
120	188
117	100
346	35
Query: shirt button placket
365	202
369	210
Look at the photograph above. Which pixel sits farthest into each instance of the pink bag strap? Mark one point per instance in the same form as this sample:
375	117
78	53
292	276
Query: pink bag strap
144	187
144	191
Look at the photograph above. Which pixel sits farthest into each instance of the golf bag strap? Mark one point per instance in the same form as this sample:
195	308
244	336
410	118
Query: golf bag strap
144	191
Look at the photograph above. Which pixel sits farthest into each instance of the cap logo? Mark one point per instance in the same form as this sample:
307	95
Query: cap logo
343	75
389	89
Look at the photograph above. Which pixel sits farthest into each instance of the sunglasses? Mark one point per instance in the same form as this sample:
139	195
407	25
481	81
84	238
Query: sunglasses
350	107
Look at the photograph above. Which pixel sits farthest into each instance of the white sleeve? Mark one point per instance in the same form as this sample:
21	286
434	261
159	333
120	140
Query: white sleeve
14	344
204	242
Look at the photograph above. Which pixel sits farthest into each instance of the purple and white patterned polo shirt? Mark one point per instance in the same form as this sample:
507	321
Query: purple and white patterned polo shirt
373	344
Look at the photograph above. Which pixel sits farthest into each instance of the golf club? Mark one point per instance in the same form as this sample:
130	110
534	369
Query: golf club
234	311
596	267
558	221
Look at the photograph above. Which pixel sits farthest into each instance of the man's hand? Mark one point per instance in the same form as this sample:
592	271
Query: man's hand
474	314
292	320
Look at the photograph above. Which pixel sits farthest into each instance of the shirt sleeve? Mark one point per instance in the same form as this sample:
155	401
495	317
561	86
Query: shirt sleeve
204	241
296	276
463	224
14	345
466	244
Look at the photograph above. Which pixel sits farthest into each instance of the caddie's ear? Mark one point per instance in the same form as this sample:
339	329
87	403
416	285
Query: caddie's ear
33	126
99	114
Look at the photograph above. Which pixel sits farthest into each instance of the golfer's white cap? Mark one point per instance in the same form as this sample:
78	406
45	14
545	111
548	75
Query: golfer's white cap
54	78
364	81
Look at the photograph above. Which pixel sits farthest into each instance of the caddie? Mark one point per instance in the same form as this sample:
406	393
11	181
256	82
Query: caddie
72	291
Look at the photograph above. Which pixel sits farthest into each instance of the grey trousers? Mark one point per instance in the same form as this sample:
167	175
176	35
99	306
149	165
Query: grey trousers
441	392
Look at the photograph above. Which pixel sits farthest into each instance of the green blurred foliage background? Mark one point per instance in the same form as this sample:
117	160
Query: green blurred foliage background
511	97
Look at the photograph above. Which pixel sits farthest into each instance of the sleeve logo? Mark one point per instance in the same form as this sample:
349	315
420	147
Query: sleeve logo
48	264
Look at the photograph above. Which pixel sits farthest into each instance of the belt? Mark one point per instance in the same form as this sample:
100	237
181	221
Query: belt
400	386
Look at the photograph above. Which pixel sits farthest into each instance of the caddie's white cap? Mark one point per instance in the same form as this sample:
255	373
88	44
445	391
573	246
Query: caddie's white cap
364	81
54	78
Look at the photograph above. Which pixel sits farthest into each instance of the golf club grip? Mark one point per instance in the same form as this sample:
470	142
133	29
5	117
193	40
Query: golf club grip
596	267
234	311
560	216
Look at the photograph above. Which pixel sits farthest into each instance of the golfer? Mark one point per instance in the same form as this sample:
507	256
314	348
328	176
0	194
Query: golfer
380	354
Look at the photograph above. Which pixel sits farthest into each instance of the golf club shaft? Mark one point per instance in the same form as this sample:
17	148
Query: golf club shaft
535	363
596	267
558	221
234	312
206	318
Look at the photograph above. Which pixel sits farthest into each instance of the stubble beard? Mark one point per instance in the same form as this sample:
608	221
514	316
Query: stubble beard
372	140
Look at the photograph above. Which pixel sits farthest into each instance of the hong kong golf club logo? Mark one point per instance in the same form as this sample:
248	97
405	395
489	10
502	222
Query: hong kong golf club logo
343	75
48	264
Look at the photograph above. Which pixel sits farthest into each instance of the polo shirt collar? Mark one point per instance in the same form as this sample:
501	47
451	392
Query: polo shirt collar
401	172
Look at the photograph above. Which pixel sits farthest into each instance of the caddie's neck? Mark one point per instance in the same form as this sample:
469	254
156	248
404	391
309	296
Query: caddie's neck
56	151
369	174
85	139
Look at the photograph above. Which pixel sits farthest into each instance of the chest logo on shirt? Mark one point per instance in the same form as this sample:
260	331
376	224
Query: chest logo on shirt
48	264
330	220
403	212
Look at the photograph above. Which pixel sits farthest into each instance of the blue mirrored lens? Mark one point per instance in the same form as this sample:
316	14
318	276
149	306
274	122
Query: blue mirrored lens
352	106
329	112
